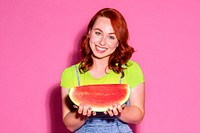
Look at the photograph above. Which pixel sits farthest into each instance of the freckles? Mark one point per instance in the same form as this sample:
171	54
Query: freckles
93	43
112	45
94	39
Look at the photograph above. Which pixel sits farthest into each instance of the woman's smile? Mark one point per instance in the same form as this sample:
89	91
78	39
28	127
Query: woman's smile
101	49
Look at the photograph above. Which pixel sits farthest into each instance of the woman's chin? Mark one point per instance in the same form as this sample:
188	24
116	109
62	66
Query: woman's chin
100	56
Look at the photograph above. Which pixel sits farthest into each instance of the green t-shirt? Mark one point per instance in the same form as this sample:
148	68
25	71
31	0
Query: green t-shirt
132	75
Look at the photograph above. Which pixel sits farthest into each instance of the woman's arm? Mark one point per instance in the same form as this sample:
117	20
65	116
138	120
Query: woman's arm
133	113
72	118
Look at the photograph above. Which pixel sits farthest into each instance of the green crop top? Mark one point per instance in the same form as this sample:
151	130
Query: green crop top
132	75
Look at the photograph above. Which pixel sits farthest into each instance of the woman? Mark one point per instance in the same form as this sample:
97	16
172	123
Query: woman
105	60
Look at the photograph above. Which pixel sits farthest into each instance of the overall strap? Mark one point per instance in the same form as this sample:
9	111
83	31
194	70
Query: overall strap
77	75
120	80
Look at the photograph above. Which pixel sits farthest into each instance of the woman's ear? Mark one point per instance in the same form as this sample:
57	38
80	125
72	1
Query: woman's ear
117	44
89	32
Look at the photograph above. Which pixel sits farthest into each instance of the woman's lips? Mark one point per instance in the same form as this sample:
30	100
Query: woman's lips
101	49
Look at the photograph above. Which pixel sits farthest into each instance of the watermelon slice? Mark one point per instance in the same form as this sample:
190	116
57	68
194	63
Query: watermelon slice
100	97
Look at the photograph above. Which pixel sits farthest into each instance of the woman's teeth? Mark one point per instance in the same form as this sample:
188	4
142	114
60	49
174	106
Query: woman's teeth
100	48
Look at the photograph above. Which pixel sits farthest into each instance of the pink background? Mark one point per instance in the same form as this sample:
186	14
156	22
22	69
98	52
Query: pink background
39	39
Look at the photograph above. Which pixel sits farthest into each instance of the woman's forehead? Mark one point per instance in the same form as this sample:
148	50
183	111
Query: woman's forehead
103	24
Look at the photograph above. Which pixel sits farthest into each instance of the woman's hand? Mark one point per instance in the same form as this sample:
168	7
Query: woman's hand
85	110
116	110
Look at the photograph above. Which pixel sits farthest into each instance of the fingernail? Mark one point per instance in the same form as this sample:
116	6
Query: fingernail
94	113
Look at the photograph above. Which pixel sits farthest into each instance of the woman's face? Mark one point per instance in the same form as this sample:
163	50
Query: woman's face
103	40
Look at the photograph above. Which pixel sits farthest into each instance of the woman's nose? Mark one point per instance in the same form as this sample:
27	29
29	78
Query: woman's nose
103	40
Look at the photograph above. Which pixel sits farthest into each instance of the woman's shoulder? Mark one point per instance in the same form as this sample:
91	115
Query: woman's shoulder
71	68
132	63
133	67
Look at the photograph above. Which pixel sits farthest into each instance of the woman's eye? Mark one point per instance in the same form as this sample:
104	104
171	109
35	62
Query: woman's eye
111	37
97	33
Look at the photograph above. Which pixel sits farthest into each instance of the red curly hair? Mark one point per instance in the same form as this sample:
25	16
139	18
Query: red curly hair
123	52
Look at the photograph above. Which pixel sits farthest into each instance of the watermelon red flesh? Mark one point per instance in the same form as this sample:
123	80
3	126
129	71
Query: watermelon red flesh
100	97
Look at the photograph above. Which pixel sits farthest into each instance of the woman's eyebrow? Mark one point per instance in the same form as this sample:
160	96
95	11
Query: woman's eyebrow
98	29
102	31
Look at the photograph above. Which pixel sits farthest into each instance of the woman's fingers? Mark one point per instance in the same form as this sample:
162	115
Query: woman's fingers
75	106
110	112
116	110
120	107
123	106
80	108
93	113
105	112
89	111
85	110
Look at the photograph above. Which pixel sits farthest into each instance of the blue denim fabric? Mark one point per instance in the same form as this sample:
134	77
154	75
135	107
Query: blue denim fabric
104	124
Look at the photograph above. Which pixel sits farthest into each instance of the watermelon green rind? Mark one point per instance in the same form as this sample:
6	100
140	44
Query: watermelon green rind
107	103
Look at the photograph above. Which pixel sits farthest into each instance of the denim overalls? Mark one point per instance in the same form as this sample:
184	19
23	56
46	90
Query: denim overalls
102	123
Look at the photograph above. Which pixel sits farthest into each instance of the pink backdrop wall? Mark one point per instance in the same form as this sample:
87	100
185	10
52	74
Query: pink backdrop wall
38	39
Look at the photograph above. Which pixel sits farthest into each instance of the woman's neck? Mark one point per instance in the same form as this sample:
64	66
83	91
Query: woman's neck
100	64
99	67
